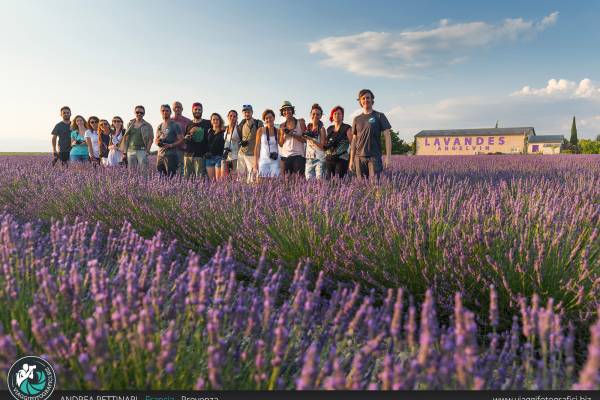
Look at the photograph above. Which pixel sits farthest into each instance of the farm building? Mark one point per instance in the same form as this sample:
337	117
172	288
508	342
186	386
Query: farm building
473	141
546	144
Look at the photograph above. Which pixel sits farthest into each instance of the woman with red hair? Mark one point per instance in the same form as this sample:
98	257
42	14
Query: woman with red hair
337	143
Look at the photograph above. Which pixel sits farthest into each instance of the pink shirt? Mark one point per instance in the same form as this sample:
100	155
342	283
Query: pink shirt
182	121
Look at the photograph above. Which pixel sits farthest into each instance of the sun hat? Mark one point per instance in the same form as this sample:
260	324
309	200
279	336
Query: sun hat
286	104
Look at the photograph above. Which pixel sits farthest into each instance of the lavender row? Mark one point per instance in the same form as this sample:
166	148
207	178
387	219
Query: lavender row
118	311
523	224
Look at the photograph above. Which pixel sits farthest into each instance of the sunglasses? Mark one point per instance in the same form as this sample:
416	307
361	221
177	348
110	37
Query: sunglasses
139	113
93	122
116	121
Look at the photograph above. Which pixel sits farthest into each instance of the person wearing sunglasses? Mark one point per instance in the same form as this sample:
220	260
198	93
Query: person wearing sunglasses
79	148
115	156
91	138
168	138
247	128
62	134
104	131
137	140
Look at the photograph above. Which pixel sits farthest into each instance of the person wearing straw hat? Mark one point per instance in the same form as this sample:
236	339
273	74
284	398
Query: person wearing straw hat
293	144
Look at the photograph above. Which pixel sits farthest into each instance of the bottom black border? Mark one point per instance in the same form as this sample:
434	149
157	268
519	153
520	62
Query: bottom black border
317	395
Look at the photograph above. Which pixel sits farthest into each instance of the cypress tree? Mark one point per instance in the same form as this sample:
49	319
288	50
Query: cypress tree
574	139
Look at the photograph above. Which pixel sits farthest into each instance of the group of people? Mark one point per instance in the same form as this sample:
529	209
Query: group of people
215	149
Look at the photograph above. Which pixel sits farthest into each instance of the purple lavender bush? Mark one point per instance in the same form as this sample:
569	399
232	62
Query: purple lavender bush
521	223
114	310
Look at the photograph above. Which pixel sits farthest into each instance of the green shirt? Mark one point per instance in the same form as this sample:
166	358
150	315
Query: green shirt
136	141
79	149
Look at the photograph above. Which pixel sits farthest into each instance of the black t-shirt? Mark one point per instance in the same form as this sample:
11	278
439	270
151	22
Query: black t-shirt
196	143
104	142
63	131
367	129
216	142
339	139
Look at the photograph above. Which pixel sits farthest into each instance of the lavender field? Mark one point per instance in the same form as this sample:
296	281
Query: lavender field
477	272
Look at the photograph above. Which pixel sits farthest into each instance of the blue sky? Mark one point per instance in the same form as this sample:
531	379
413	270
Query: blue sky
432	64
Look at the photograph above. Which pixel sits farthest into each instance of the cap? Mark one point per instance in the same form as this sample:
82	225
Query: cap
246	107
286	104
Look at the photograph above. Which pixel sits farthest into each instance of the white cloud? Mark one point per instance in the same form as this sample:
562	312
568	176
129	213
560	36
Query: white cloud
399	55
562	88
548	114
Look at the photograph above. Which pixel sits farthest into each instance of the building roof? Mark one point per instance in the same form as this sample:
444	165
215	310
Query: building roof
546	139
527	130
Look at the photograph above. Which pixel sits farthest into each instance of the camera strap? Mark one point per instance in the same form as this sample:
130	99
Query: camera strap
269	140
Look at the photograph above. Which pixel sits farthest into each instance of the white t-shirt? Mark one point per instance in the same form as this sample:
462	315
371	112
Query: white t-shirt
93	135
232	140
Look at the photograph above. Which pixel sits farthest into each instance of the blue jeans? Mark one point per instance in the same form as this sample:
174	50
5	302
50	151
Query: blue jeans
213	162
78	158
314	168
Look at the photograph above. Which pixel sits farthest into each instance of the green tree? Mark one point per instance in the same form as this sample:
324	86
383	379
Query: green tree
598	138
574	139
589	146
399	146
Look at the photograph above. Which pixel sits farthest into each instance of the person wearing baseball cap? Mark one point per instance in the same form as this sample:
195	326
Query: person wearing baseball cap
293	152
367	128
247	128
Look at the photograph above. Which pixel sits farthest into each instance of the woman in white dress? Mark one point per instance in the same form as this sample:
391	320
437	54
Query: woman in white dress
266	149
115	156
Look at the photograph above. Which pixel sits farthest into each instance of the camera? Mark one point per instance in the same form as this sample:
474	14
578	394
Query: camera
287	131
244	143
79	142
226	152
160	143
273	155
311	135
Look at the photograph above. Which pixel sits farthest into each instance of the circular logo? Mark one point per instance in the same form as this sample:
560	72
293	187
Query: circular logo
31	378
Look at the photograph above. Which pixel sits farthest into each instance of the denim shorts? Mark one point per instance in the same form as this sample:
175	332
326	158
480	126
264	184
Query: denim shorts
79	158
214	162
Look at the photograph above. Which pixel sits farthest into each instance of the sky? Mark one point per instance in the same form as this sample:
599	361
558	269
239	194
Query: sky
431	64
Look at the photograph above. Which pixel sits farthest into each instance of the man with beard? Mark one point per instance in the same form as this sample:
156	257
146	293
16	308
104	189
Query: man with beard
247	128
62	131
195	143
168	138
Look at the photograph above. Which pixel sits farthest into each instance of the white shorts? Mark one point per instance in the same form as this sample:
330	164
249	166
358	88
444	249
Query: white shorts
269	169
